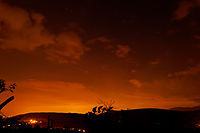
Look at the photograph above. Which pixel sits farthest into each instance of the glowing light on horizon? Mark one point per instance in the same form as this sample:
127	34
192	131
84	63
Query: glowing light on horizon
33	121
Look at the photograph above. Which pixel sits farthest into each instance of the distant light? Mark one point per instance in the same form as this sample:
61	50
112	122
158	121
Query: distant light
20	124
79	130
4	126
83	131
8	125
33	121
198	125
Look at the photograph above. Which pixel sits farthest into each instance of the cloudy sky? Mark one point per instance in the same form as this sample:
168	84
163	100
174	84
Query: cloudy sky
68	55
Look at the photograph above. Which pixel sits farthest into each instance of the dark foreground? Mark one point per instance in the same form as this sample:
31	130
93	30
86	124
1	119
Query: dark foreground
41	130
149	130
125	121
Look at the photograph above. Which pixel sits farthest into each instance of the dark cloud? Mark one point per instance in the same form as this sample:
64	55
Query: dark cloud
101	39
25	31
22	30
122	50
190	71
68	47
184	8
155	62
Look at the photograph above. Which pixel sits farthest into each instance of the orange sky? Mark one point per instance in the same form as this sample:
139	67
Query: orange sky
66	57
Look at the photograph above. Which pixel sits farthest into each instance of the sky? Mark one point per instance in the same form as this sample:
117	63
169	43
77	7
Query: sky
72	55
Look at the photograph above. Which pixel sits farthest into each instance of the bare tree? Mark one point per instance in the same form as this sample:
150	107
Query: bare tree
4	88
106	106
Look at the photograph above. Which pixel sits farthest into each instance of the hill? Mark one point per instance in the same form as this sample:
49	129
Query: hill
139	120
196	108
56	120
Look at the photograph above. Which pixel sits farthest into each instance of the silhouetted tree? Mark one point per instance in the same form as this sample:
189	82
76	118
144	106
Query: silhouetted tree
100	109
107	106
100	119
94	110
4	88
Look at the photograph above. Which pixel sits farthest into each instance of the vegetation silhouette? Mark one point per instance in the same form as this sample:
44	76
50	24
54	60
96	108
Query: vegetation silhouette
3	88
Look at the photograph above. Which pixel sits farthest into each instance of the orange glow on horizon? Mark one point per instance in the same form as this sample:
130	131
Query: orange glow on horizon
66	64
33	121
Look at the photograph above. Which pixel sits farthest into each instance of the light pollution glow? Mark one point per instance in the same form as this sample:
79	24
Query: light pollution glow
67	59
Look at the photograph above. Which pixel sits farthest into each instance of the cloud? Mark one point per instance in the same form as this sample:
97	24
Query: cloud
155	62
101	39
194	70
136	83
171	88
122	50
68	47
184	8
197	37
22	30
118	50
25	31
